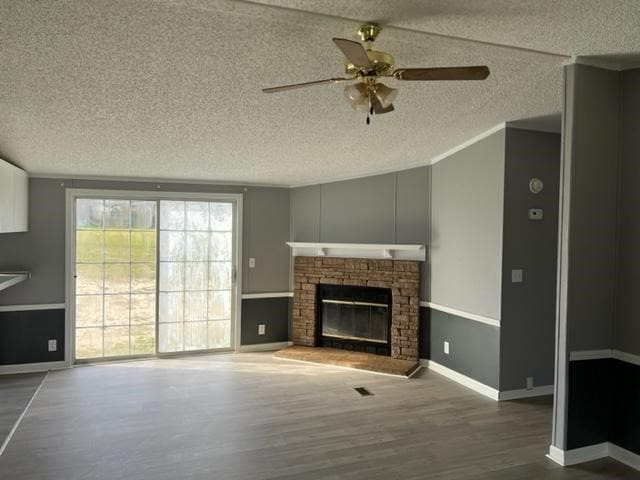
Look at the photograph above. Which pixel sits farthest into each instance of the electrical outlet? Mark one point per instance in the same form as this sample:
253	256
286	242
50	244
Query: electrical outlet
535	214
252	262
517	276
446	347
53	345
529	383
262	329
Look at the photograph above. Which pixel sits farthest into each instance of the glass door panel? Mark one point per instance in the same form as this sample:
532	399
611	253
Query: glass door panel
115	283
195	276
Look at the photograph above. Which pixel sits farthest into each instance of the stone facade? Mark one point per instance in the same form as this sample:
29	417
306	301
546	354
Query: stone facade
401	276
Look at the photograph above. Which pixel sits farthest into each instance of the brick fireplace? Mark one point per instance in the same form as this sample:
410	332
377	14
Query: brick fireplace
400	276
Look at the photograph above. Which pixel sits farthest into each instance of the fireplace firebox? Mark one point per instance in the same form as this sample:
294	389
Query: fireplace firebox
354	318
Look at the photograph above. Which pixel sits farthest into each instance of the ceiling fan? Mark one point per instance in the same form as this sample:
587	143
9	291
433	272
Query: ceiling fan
368	66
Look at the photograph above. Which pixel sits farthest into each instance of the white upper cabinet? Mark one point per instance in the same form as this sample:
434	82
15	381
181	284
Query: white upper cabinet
14	198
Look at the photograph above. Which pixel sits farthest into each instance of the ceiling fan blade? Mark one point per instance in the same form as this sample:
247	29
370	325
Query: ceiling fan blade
305	84
378	109
354	51
446	73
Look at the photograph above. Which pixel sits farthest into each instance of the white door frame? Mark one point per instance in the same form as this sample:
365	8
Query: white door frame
70	239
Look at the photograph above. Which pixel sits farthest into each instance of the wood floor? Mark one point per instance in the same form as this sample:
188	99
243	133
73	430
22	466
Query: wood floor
346	358
253	416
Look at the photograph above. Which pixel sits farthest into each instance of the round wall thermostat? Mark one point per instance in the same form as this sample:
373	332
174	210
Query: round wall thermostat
536	185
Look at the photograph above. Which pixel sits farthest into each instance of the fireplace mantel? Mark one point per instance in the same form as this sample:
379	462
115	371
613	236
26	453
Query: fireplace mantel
359	250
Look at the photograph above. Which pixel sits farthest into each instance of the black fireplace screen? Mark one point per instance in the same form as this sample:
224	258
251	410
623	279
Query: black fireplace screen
355	318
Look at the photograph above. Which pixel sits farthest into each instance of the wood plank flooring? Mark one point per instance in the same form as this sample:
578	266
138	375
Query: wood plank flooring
345	358
15	392
253	416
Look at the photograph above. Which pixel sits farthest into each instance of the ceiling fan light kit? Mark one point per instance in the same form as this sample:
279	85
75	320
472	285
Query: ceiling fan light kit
366	67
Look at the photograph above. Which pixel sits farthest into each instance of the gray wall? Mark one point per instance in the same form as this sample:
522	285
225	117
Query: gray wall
474	347
466	228
527	338
41	250
593	207
627	326
392	208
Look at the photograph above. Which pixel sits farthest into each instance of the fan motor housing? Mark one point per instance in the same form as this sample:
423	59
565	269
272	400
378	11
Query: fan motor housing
381	64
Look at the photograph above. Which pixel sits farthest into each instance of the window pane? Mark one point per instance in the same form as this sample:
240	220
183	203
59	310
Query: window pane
171	337
143	246
89	213
219	333
89	278
88	342
221	216
143	309
172	215
116	278
116	246
89	311
219	305
198	216
143	339
171	276
172	246
197	243
89	246
116	341
195	336
143	215
219	275
219	246
171	307
195	277
116	214
143	277
116	310
195	306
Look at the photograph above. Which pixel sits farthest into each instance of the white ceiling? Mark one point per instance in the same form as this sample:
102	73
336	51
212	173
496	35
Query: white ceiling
172	89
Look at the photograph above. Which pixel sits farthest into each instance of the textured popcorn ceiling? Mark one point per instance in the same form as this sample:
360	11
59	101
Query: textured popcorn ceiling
171	89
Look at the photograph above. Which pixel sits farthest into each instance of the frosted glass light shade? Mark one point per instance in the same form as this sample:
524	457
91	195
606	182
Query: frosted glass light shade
385	95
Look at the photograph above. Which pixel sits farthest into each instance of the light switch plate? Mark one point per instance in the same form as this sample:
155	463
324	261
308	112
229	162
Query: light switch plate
517	276
53	345
262	329
446	348
252	262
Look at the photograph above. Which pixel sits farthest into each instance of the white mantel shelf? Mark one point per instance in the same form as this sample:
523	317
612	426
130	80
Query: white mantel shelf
359	250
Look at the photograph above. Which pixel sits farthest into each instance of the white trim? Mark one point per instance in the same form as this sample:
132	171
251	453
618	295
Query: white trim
460	313
624	456
264	347
358	250
24	412
626	357
32	367
154	181
475	385
578	455
526	393
251	296
25	308
594	452
15	278
577	355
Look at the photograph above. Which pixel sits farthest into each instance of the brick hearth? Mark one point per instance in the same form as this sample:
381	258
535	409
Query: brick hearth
401	276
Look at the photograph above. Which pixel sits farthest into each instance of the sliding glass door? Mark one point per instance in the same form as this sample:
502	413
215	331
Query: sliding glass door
153	276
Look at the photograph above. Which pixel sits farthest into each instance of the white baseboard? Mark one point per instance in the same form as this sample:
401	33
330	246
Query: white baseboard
594	452
264	347
32	367
468	382
526	393
624	456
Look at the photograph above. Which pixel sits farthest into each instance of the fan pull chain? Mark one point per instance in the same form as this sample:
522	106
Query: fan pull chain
369	112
